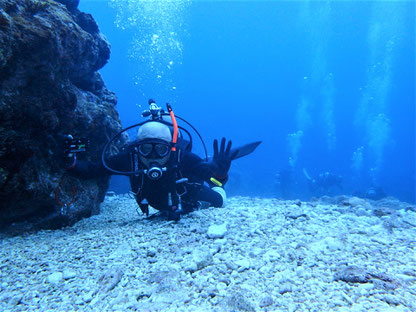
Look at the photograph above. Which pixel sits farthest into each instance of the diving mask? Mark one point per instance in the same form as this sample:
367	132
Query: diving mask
154	149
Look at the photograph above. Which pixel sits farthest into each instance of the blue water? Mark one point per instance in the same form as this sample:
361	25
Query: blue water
326	86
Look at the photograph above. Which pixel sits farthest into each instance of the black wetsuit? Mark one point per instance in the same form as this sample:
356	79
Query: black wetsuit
156	192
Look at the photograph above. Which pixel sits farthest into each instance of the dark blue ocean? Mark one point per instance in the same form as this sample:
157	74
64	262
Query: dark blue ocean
327	86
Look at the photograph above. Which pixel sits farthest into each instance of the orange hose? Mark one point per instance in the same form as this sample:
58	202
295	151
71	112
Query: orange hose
175	128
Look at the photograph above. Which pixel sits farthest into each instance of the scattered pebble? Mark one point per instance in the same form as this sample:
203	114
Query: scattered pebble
68	274
340	254
55	277
217	231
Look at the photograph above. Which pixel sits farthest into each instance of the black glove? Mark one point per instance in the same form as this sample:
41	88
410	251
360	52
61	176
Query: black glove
222	159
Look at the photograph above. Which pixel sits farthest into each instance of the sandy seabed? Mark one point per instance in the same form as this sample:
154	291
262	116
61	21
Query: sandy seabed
256	254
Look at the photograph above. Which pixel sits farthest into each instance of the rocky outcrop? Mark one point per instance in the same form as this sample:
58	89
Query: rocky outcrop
49	87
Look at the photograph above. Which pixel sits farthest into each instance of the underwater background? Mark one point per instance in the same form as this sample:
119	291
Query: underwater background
328	86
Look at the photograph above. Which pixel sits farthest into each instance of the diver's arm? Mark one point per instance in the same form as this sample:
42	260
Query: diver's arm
215	196
88	170
222	161
197	169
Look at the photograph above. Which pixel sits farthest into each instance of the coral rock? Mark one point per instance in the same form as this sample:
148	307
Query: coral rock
49	87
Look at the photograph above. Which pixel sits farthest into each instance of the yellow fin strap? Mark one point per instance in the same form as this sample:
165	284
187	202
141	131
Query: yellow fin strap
215	181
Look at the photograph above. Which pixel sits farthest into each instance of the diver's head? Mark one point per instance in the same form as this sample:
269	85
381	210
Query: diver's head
154	144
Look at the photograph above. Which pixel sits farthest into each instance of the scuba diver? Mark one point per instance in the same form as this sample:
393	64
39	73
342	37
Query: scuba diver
284	183
163	171
373	193
324	183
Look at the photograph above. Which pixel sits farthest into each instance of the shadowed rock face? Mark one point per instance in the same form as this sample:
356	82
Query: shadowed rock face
49	86
71	5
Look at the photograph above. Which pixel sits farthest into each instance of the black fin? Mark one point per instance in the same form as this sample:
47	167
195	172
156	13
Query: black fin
245	149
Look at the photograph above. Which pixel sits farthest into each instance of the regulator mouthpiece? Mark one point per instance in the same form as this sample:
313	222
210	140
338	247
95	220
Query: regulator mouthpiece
155	172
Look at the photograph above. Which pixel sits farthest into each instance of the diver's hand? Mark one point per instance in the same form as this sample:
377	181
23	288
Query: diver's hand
222	158
69	157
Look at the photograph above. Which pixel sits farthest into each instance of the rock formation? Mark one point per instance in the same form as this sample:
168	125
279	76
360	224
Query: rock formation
50	53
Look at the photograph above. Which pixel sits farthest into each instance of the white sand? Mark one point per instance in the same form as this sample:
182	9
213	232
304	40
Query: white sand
274	256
